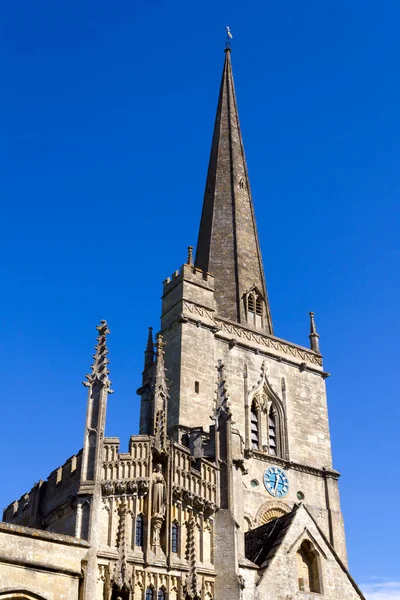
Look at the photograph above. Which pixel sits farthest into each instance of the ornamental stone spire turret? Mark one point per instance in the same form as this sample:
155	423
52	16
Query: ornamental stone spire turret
99	386
228	244
160	398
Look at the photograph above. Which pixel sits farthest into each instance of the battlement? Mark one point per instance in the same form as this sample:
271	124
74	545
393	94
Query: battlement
189	273
45	495
126	465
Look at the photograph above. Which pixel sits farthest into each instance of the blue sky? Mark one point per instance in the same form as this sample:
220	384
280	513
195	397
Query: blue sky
106	119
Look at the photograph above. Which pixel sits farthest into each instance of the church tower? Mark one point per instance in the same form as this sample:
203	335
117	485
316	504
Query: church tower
228	491
254	403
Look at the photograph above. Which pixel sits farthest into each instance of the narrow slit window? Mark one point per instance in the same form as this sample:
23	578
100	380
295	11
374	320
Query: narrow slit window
196	387
175	537
139	531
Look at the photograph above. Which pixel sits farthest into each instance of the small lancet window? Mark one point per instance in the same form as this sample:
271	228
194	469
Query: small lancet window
307	568
254	427
161	594
175	537
139	531
149	593
241	183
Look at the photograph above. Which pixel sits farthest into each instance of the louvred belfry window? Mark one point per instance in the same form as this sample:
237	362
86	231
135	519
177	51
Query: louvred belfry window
254	305
272	443
254	428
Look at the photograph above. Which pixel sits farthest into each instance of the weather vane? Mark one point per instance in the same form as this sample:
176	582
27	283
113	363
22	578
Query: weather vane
229	36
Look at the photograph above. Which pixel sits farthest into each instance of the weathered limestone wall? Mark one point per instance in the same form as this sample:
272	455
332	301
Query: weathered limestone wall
197	339
280	580
46	564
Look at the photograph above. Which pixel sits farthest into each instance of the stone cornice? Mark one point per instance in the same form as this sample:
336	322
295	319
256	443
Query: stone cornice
238	334
288	464
38	534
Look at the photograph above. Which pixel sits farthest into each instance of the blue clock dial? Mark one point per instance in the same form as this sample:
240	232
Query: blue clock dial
276	482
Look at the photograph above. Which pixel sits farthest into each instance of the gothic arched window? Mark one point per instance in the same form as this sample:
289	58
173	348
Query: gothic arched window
254	305
139	532
175	537
307	568
161	594
149	594
255	434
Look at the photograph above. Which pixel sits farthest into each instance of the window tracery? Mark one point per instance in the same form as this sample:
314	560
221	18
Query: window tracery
266	429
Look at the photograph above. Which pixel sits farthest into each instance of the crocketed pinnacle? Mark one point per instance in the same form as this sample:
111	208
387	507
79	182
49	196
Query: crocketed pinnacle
99	367
160	380
228	244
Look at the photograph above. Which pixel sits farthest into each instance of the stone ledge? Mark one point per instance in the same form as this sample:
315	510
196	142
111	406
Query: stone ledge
38	534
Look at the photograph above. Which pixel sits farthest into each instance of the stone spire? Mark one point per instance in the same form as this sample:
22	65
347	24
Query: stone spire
149	352
314	337
228	244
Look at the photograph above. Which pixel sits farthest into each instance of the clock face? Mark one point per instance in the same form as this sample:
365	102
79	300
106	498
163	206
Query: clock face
276	482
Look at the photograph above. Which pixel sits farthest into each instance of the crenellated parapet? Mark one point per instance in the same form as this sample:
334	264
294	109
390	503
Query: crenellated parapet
126	466
49	504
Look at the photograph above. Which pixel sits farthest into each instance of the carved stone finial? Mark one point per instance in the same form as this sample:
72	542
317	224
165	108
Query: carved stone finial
314	337
99	367
190	256
222	402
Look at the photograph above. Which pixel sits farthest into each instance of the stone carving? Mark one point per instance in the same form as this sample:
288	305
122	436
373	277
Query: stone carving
108	488
120	487
143	485
158	506
132	487
263	340
158	492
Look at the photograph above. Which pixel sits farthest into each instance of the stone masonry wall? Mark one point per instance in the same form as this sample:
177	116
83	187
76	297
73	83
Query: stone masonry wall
48	565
